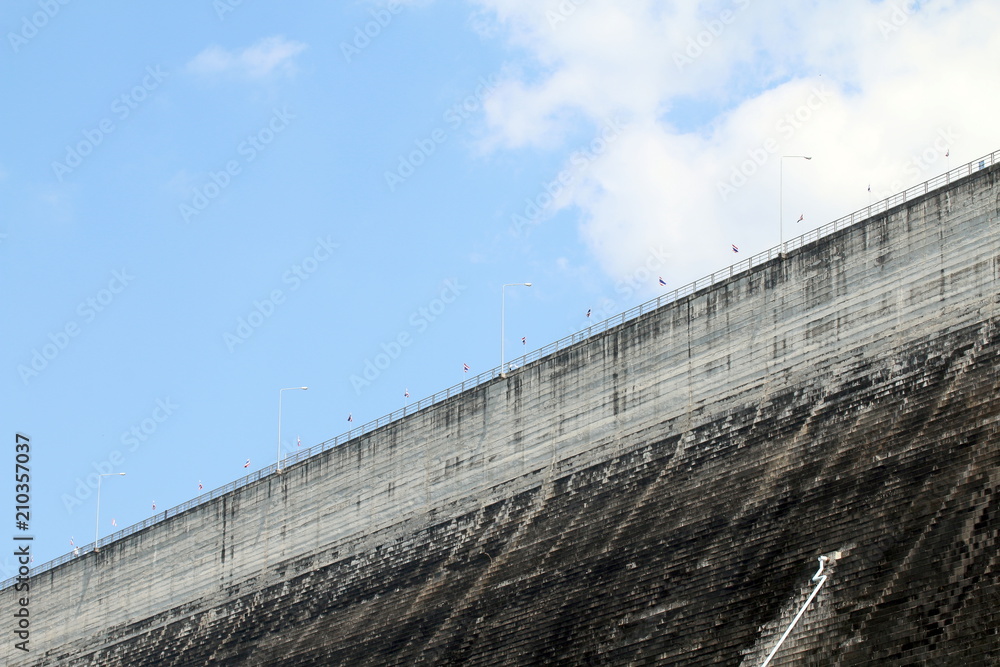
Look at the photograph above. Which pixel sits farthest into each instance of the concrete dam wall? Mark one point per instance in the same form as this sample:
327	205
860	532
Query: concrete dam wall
655	494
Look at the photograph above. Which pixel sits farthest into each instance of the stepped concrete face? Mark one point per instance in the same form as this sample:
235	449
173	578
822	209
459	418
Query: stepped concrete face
656	494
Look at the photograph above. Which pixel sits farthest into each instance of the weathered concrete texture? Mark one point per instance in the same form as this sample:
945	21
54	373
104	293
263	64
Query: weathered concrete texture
657	494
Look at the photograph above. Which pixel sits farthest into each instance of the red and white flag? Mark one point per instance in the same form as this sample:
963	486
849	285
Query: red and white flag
298	441
465	368
406	393
71	542
114	523
247	464
801	218
524	340
154	505
200	487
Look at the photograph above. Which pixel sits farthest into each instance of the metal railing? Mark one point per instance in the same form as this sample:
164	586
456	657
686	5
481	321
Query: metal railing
745	265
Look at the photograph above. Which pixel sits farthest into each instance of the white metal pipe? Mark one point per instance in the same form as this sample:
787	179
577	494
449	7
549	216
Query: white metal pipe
818	577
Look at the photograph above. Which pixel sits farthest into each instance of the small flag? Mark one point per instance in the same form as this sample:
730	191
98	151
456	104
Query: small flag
663	283
406	393
801	218
114	523
154	502
71	542
524	340
588	312
298	441
200	487
947	152
465	368
350	417
735	249
869	187
247	464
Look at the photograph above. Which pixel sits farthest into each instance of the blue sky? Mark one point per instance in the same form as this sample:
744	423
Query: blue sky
203	203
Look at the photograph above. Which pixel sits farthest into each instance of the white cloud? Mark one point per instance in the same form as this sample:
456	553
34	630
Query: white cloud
872	90
269	55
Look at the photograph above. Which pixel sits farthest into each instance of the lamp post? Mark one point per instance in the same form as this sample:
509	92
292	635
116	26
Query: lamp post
97	526
781	202
502	317
278	463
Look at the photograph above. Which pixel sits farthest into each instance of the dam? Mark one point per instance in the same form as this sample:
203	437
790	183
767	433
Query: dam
655	490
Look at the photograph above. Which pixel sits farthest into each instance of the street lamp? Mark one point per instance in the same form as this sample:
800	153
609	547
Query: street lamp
97	527
781	219
278	464
502	316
